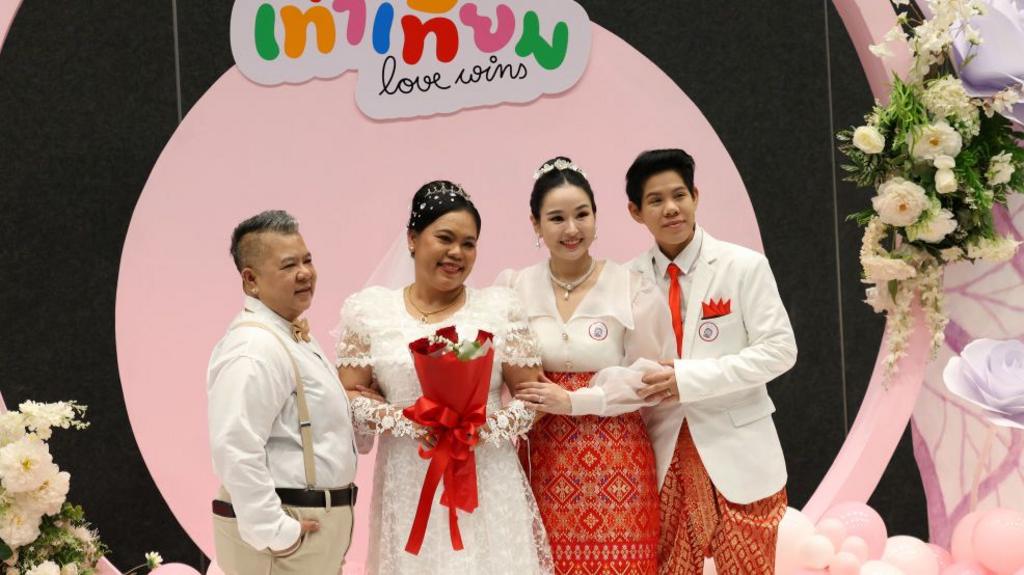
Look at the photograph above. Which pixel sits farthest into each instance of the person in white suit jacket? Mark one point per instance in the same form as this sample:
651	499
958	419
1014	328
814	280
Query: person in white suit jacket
720	465
721	472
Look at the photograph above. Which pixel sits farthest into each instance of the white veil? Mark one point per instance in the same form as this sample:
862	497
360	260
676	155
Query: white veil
395	269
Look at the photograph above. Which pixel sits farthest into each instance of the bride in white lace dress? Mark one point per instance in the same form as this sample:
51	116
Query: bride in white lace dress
505	534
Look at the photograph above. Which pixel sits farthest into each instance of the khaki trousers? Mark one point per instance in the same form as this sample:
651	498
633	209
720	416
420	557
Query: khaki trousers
320	553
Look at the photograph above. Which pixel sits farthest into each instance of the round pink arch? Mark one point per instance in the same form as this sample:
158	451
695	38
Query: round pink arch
244	148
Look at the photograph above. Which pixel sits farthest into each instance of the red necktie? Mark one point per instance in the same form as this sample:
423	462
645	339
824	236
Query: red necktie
675	302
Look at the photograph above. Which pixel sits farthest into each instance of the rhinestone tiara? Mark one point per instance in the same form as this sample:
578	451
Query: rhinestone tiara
559	165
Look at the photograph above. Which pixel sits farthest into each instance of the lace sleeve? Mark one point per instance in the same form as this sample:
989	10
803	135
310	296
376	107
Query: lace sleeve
371	417
508	423
353	339
519	346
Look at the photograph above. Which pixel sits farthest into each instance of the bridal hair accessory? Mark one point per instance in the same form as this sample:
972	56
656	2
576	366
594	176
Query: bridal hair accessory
437	196
559	164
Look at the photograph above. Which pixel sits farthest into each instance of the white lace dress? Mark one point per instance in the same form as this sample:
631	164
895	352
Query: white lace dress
505	534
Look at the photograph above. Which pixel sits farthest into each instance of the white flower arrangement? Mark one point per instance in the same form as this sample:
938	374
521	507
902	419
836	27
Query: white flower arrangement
41	533
940	161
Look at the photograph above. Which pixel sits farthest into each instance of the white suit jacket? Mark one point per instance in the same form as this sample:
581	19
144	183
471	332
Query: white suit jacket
728	358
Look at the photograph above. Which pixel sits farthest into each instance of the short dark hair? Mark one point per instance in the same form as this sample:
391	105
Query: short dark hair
654	162
437	198
244	252
554	178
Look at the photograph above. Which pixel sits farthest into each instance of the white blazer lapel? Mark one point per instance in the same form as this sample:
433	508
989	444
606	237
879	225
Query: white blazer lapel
702	276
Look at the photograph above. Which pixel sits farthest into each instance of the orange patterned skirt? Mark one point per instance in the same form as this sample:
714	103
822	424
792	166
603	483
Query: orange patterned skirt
597	489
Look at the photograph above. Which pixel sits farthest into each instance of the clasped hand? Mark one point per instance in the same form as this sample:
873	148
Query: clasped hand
548	397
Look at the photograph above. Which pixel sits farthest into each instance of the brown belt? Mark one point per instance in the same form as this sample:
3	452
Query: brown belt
344	497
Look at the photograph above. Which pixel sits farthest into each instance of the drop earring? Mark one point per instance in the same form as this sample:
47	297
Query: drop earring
537	243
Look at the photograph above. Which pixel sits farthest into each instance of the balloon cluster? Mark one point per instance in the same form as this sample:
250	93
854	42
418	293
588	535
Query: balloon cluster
851	539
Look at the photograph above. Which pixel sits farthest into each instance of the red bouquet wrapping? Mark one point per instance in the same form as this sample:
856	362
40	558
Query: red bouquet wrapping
455	377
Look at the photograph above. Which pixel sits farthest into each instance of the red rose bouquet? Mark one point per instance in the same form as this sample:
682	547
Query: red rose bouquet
455	377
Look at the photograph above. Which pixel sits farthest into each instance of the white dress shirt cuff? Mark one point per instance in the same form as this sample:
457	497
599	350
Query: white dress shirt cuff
587	401
287	535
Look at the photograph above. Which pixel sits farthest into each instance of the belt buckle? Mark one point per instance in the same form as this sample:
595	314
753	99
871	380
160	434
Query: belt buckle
327	500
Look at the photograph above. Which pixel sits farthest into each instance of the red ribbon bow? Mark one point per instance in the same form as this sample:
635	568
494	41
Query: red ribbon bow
452	459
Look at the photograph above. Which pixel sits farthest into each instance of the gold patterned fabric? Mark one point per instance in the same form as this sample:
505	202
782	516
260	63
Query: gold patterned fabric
698	522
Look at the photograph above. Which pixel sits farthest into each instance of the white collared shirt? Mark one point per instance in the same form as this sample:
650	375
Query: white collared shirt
686	260
254	423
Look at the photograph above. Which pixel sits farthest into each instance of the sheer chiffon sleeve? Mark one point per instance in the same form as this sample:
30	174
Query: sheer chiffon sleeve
613	390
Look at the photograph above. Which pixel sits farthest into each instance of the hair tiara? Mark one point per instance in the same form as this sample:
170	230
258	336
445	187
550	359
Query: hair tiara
559	164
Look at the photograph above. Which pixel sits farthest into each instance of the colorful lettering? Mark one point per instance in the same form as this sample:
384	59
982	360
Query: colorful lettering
356	18
486	40
295	24
549	56
432	6
382	23
266	42
446	36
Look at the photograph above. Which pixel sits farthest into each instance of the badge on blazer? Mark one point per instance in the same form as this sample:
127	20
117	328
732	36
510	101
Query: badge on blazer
598	331
713	309
708	331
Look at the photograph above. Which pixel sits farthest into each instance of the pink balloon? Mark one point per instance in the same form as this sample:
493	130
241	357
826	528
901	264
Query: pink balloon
911	555
965	568
861	521
999	540
174	569
962	544
857	546
844	563
834	530
944	558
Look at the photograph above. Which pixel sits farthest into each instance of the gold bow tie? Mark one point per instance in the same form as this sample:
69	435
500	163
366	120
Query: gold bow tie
300	330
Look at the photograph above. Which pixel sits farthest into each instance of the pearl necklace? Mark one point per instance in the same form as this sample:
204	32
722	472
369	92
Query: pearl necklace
568	286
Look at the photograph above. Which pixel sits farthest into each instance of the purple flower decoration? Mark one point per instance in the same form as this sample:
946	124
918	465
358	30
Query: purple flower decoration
990	374
997	63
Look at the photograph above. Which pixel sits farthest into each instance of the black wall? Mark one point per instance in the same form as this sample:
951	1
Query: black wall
89	97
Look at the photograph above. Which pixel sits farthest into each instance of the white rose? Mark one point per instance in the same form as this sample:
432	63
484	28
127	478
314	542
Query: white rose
44	568
945	181
69	569
18	528
49	497
12	427
868	139
938	139
900	202
987	374
944	162
934	229
1000	169
25	464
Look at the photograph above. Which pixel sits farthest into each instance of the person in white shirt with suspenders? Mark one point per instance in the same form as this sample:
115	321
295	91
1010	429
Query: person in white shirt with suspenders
280	430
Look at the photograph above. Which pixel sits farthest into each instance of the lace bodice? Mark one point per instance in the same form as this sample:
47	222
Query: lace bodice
376	330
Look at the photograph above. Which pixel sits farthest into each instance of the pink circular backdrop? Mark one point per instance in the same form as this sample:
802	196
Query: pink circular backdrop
307	149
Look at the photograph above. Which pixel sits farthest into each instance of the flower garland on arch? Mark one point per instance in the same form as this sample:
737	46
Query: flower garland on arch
940	162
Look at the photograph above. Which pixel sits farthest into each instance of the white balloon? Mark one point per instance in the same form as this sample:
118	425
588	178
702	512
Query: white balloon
911	555
880	568
794	528
816	552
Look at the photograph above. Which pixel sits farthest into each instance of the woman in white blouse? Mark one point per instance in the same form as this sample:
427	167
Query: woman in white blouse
594	477
504	535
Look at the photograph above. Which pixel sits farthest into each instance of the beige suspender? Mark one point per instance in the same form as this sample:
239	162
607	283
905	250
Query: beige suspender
305	432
